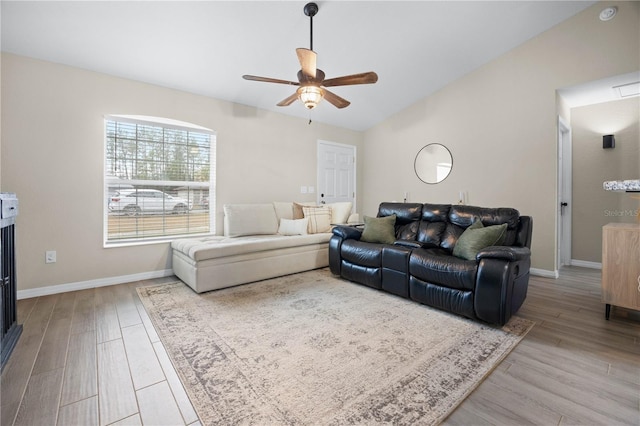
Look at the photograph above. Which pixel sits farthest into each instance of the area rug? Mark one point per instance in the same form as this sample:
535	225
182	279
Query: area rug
313	349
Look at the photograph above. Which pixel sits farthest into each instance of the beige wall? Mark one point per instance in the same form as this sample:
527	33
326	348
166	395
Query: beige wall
500	124
52	157
594	207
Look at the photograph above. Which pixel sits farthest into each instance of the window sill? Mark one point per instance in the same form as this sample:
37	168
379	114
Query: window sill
151	241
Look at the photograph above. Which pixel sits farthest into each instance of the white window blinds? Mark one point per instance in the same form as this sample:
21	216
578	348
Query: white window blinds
159	179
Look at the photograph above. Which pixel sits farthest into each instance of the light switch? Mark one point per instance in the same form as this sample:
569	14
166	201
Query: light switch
312	190
303	189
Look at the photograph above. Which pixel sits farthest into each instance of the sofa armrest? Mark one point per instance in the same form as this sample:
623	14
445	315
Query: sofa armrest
501	283
340	234
508	253
347	232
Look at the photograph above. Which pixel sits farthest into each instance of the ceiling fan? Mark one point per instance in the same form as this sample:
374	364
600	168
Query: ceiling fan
311	81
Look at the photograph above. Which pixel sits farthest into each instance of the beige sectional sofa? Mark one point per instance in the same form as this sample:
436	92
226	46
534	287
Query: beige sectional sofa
260	241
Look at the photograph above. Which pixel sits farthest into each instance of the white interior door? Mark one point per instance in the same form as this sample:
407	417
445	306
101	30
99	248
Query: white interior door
336	173
564	193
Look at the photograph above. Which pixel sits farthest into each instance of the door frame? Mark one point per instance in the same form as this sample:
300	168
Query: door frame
354	165
564	221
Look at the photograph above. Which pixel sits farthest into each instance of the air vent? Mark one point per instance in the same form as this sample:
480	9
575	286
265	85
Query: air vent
628	90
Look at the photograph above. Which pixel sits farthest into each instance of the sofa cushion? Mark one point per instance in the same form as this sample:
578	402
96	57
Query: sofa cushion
319	219
476	237
435	212
361	253
405	212
379	229
431	232
407	218
437	266
293	226
200	249
408	231
249	219
450	236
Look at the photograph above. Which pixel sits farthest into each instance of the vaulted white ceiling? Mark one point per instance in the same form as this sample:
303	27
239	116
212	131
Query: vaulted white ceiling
204	47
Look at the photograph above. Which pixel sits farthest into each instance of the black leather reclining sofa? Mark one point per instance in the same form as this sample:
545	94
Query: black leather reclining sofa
421	266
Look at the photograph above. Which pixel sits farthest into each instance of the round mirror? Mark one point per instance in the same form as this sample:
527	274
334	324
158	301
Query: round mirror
433	163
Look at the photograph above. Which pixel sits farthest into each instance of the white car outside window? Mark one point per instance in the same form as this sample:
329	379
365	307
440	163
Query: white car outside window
135	202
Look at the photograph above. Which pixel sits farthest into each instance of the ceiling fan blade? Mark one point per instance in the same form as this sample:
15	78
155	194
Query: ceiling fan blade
269	80
347	80
336	100
307	60
288	101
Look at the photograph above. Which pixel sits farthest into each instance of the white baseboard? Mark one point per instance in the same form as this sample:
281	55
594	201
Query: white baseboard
100	282
556	274
586	264
544	273
122	279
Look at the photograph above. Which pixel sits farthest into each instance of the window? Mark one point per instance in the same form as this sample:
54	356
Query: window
159	179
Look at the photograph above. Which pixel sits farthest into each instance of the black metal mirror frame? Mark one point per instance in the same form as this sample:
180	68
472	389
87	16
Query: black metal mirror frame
433	163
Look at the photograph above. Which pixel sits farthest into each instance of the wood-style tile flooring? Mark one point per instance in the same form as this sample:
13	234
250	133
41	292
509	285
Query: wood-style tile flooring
92	357
573	368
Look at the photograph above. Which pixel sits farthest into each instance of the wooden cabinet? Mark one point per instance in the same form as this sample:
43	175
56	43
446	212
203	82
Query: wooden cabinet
621	266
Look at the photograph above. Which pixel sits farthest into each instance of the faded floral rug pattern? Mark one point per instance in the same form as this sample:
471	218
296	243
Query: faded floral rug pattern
313	349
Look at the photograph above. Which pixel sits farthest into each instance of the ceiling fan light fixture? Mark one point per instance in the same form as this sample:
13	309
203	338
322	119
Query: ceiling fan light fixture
311	80
310	96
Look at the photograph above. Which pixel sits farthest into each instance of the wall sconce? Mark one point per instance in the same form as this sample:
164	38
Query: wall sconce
608	141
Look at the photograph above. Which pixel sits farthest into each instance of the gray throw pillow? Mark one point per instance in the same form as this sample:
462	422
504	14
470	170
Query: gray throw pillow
476	237
379	229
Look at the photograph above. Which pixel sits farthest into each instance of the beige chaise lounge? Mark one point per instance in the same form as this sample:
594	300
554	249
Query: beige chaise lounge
260	241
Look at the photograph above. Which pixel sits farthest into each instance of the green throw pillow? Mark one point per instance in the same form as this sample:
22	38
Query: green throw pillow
379	229
476	237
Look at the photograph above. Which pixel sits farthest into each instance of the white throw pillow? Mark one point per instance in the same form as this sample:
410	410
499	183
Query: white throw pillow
340	212
319	219
293	226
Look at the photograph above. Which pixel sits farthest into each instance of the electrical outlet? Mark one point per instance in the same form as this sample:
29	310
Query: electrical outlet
311	190
50	256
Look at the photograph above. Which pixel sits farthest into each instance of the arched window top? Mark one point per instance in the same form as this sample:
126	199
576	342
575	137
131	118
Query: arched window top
164	122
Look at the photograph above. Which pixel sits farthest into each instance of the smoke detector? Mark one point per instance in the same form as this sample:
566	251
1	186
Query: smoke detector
608	13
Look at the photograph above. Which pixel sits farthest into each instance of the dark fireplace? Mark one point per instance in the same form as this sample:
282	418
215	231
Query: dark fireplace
8	294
